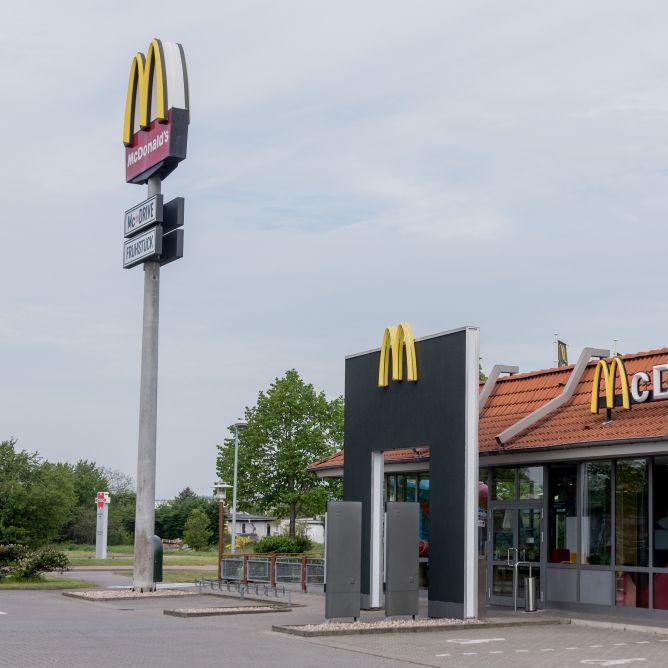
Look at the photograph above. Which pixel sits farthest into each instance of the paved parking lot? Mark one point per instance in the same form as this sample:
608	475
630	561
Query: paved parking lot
47	629
545	646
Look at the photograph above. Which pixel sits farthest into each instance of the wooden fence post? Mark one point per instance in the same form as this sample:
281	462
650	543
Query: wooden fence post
245	579
304	573
272	570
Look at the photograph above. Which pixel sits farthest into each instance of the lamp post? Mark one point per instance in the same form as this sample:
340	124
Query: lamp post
219	488
237	425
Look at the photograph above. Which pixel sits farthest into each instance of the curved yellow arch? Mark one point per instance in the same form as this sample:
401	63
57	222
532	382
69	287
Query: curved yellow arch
143	70
396	339
609	379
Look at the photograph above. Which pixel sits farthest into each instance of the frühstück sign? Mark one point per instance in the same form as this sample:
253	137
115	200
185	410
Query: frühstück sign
143	247
143	215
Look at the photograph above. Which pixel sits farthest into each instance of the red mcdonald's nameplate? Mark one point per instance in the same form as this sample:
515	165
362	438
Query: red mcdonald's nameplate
159	149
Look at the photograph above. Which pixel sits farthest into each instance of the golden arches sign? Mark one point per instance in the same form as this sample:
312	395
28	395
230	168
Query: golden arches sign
396	340
609	379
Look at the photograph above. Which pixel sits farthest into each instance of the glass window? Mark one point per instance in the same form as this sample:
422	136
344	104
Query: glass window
401	488
423	500
661	591
596	530
529	537
411	489
531	482
483	504
502	532
391	488
632	590
503	485
563	514
631	513
661	515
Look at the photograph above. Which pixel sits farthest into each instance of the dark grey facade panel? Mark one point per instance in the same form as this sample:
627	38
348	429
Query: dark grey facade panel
561	585
596	587
402	559
428	413
343	559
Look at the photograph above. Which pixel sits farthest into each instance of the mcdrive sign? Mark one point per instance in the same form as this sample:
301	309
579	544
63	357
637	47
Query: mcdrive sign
157	112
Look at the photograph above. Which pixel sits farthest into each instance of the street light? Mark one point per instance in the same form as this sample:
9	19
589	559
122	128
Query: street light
237	425
219	488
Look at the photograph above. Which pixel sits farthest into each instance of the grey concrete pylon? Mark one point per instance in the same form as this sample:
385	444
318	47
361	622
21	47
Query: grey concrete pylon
148	421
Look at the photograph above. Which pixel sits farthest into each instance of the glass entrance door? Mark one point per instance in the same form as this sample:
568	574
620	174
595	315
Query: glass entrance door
516	534
515	530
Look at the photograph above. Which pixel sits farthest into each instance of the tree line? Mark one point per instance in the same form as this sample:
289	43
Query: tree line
44	502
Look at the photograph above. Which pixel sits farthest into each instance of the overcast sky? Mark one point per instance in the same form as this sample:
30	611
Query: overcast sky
350	165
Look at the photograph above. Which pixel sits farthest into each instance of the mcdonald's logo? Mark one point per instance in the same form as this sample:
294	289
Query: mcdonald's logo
608	373
157	108
396	341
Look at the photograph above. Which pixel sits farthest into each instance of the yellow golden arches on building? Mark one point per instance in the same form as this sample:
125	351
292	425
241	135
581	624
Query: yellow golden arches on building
396	340
143	72
609	380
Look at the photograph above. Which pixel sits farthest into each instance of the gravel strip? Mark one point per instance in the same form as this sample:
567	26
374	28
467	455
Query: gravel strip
119	594
403	626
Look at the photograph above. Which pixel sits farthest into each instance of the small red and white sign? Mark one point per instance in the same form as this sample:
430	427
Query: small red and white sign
102	499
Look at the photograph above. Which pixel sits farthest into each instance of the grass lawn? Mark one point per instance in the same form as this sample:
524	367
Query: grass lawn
122	555
45	582
180	576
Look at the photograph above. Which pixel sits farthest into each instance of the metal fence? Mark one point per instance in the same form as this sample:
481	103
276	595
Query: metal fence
288	569
273	569
315	571
233	568
258	569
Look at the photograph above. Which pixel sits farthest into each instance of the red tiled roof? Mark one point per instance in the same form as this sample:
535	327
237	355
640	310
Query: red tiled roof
514	397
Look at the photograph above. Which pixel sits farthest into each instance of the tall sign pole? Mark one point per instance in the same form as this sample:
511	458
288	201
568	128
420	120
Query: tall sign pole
148	421
102	505
155	134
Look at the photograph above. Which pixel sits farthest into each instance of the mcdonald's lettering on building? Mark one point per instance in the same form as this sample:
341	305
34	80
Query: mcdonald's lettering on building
618	392
157	112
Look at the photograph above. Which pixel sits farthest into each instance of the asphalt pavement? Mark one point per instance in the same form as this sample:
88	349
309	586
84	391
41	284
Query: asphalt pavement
44	628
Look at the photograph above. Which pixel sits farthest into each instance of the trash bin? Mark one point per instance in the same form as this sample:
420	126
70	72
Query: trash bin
156	545
530	593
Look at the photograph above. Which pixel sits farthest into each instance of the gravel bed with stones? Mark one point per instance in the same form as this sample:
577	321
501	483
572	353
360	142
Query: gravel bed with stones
120	594
377	626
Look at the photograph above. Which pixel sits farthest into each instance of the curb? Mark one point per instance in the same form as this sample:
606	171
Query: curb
298	630
619	626
204	612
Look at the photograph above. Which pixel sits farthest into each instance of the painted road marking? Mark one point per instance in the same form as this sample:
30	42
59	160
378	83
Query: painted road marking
474	641
470	653
497	651
595	645
642	642
521	651
442	655
572	648
618	644
610	662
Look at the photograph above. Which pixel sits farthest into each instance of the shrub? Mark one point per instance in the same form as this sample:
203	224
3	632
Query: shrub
196	531
283	544
23	564
11	556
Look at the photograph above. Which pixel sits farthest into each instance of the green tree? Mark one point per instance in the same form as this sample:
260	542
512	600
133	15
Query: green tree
36	497
290	427
197	533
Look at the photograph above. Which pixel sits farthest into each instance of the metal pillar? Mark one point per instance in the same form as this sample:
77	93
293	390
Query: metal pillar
221	514
234	489
376	552
148	418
